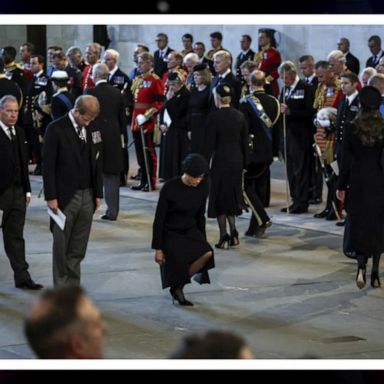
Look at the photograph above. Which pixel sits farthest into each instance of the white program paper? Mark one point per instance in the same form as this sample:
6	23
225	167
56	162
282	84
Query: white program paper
58	218
166	118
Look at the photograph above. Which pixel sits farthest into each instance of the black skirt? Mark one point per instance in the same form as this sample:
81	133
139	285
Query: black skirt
181	249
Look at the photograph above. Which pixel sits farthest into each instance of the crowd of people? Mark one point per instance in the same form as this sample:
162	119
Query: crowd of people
219	121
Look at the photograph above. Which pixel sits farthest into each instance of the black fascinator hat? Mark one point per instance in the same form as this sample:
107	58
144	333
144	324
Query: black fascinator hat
370	98
195	165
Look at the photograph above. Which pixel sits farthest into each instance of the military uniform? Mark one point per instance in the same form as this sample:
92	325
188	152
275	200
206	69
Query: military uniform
270	60
148	98
263	146
37	114
326	96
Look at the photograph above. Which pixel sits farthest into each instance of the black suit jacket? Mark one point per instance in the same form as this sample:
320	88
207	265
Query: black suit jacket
111	122
235	85
371	61
61	157
301	111
8	166
240	59
159	65
353	63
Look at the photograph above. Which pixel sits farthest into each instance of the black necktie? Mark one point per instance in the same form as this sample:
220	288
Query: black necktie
13	136
13	140
287	91
80	132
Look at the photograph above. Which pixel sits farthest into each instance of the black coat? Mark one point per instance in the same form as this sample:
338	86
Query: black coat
8	166
227	144
301	111
111	122
371	61
175	143
235	85
159	65
240	59
61	156
362	177
353	63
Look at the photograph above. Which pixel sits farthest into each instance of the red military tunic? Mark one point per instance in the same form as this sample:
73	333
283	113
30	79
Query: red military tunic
148	95
270	60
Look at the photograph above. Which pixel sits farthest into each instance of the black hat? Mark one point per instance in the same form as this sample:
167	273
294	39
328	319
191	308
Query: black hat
224	90
199	67
370	97
174	76
195	165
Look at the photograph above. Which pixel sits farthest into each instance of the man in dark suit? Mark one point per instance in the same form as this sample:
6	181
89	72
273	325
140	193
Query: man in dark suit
120	80
222	61
199	49
374	45
245	54
111	122
72	178
352	62
161	54
15	190
296	100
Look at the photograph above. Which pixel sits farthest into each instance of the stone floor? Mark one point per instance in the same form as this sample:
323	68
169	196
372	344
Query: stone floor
291	295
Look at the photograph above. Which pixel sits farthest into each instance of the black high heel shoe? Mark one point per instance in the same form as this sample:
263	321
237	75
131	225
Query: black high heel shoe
181	300
360	278
234	240
223	242
375	280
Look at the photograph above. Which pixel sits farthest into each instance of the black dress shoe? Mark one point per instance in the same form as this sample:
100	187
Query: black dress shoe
30	284
315	200
341	223
105	217
137	187
322	214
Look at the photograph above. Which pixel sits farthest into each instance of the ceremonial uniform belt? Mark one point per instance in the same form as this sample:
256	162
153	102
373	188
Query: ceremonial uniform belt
142	105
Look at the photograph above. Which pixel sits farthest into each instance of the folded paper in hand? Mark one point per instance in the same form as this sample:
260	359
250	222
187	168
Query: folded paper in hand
141	119
58	218
166	118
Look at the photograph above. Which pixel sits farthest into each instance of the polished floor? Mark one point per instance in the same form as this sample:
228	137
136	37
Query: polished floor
291	295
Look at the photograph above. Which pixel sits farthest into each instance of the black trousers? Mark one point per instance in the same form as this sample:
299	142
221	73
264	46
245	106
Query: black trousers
12	203
259	215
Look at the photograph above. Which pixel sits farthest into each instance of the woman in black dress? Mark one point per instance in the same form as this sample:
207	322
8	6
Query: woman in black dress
227	144
361	184
198	107
173	125
179	238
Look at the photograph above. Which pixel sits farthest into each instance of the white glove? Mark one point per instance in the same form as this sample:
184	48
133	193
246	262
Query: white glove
140	119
